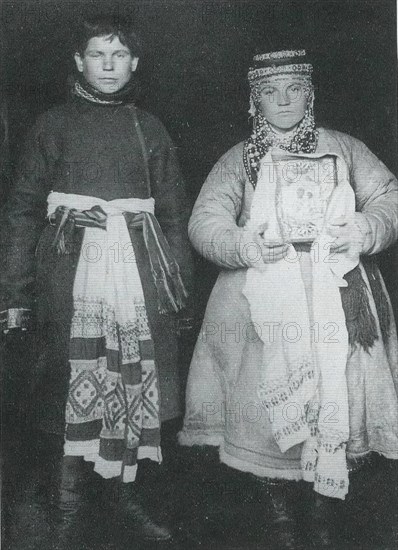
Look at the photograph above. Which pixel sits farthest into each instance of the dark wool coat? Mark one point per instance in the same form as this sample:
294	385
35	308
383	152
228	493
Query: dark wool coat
89	149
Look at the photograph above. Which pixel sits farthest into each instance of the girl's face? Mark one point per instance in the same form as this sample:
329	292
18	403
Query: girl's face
283	101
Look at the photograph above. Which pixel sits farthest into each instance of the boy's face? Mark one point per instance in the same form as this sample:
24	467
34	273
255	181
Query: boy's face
106	64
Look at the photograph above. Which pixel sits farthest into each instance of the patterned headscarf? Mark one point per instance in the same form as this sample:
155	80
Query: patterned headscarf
305	137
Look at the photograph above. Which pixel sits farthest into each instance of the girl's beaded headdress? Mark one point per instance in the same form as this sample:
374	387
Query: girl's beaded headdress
283	62
305	136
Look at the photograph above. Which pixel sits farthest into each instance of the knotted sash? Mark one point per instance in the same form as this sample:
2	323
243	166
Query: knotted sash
165	270
112	412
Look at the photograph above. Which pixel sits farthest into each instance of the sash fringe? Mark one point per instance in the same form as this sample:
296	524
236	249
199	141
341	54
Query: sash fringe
360	321
165	270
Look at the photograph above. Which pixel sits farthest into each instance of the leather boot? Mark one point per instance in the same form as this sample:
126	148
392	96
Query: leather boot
126	504
281	514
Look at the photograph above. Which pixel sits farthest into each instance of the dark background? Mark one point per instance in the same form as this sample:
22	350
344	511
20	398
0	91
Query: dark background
194	68
193	78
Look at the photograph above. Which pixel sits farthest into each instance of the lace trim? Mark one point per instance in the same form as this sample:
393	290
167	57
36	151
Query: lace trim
281	390
330	485
291	428
95	319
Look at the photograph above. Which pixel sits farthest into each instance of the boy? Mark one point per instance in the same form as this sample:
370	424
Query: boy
98	274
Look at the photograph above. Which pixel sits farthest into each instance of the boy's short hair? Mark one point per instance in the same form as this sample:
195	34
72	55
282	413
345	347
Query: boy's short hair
105	26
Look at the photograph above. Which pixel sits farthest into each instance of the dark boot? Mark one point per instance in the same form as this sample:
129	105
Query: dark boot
281	514
126	503
322	512
357	464
69	500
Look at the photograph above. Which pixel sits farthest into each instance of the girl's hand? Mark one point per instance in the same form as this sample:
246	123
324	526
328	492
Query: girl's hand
348	233
261	249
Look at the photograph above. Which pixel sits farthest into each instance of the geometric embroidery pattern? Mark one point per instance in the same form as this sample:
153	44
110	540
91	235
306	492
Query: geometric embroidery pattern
86	392
96	393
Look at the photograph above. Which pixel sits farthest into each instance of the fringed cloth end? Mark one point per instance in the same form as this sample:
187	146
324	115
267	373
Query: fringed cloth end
165	270
360	321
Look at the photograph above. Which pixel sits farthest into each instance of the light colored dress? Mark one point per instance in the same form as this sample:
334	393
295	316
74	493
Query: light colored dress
223	406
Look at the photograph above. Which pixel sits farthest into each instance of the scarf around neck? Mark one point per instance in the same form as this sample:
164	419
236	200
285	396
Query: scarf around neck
303	139
82	89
